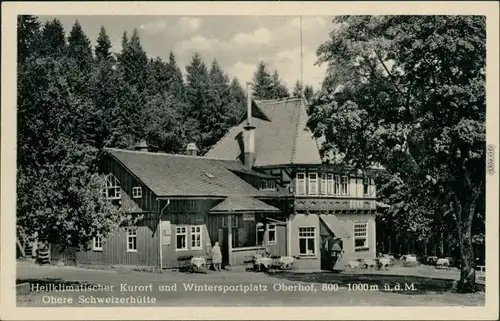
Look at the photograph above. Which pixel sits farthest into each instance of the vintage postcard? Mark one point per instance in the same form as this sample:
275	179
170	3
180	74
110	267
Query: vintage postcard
252	160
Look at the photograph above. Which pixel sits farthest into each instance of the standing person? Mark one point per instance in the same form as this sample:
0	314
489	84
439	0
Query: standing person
216	256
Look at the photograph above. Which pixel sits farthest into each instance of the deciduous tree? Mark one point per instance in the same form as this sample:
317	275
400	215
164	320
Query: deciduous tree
414	102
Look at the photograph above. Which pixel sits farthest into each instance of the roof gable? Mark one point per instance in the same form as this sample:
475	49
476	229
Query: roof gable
242	204
283	139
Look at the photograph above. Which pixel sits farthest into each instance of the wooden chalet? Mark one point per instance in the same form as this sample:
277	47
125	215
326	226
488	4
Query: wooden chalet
262	186
332	209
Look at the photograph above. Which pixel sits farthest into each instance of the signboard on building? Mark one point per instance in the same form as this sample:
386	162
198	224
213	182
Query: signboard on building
166	230
248	217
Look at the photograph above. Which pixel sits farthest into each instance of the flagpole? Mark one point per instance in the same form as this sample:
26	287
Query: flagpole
301	63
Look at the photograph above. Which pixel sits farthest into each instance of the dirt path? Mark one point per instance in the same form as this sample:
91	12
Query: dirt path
234	288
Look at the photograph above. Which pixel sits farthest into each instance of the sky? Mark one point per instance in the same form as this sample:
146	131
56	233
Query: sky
238	42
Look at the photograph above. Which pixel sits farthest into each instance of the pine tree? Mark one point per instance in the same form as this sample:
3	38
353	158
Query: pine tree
297	89
279	91
308	93
53	42
237	102
216	116
163	123
196	85
79	47
219	84
155	82
262	83
103	88
198	97
133	61
125	40
103	47
28	36
174	79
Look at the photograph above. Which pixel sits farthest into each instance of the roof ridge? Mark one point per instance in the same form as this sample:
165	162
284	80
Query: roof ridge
296	136
167	154
277	101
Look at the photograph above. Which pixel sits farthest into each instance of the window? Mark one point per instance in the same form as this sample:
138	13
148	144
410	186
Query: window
301	184
360	236
337	185
196	238
131	240
271	234
345	185
97	243
268	185
181	238
366	185
330	184
136	192
234	221
112	189
313	183
307	241
324	184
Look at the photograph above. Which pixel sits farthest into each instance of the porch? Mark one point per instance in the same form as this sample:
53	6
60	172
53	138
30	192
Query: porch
247	226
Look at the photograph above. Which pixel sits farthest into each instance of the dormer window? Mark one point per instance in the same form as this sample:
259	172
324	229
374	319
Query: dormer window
112	189
136	192
268	185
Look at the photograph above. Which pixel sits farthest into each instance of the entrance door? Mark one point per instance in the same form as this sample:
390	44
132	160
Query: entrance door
223	235
326	253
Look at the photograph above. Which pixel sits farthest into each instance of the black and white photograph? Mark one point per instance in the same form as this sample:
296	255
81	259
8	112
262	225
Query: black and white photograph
287	160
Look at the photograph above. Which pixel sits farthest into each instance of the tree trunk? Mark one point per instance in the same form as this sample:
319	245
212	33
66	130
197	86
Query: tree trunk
464	214
467	283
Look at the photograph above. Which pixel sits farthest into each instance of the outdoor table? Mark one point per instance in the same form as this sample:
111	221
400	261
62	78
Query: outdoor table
198	261
198	264
264	261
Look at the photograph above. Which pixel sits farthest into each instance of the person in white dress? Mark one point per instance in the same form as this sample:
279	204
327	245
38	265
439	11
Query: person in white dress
216	256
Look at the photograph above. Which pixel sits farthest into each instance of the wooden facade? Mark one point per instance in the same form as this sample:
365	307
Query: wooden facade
181	227
114	248
147	203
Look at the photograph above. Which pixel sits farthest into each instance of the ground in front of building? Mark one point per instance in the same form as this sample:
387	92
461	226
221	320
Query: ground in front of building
240	288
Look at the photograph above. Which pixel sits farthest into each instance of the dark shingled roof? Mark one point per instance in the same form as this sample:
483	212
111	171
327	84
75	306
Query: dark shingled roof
242	204
281	137
180	175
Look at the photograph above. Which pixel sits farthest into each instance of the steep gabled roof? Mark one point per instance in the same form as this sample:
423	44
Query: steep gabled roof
179	175
281	138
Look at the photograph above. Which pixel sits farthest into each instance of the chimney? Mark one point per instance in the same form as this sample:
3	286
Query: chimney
191	149
142	146
249	133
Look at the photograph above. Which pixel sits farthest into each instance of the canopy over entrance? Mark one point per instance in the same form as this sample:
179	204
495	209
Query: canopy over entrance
335	226
241	204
